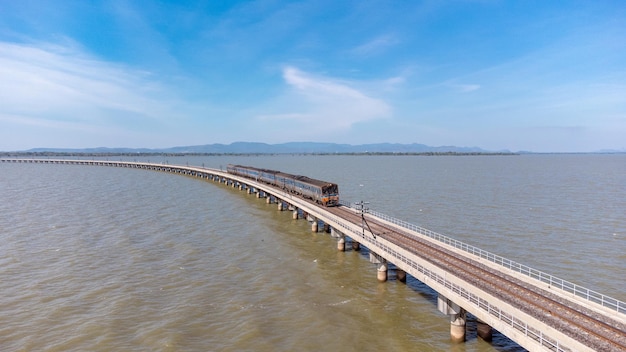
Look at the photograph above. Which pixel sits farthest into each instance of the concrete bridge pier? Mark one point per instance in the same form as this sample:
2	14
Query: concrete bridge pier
341	242
381	266
381	271
401	275
314	224
295	213
260	194
457	326
268	198
250	190
483	330
356	246
458	317
281	206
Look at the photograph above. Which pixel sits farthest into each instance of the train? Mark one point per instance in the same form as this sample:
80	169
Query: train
322	192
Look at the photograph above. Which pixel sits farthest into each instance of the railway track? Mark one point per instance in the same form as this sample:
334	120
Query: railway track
595	330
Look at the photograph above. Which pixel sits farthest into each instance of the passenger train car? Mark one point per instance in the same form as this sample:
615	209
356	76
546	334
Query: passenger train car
321	192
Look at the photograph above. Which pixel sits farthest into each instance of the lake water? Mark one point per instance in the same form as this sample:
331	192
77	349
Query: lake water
103	259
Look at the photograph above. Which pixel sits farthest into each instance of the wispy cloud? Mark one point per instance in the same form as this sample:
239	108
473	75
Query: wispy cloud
50	80
325	104
463	88
54	86
376	45
58	95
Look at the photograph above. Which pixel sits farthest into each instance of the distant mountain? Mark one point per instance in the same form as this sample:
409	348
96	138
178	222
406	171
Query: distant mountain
316	147
284	148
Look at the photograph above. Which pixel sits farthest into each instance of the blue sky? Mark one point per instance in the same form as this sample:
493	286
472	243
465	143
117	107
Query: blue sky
543	76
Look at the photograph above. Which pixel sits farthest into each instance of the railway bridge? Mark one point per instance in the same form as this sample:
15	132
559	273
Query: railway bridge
537	310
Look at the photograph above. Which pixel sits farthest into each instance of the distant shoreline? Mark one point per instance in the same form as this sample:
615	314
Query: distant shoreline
149	154
66	154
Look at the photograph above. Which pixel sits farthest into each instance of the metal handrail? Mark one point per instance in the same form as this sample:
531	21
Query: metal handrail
553	281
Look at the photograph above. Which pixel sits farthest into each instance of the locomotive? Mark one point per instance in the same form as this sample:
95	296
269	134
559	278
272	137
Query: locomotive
321	192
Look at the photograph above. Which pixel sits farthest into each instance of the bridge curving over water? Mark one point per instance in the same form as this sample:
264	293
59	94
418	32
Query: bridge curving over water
532	308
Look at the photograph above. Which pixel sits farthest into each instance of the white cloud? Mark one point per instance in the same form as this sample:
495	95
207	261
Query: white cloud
45	82
326	104
376	45
394	81
462	87
467	87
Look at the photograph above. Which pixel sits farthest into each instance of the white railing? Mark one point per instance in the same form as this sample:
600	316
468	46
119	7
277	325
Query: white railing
553	281
504	317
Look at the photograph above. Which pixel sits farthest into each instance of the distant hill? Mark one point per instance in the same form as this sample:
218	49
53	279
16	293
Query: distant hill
284	148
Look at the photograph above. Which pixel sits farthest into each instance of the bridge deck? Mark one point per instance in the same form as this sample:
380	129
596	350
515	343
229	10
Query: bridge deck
591	327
